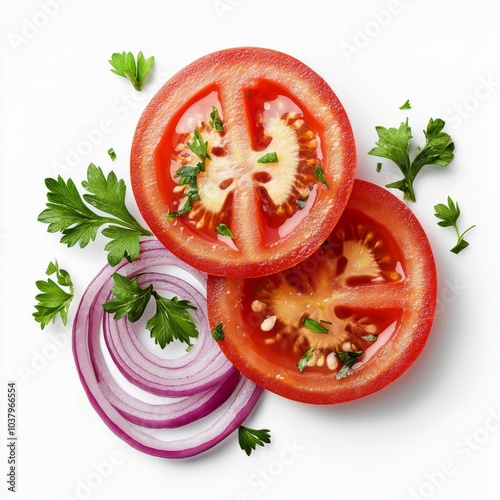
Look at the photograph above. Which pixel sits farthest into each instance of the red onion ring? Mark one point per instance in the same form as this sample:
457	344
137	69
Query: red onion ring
165	377
122	412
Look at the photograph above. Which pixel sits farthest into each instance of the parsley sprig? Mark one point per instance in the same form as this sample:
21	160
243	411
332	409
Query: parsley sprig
215	121
271	157
224	230
449	215
348	359
218	332
170	322
189	174
302	363
315	326
68	213
249	438
394	144
55	297
124	64
319	173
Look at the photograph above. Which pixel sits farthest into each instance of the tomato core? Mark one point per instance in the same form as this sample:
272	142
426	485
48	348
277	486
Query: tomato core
328	287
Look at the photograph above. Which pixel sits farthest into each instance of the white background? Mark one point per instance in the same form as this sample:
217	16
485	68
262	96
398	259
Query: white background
432	434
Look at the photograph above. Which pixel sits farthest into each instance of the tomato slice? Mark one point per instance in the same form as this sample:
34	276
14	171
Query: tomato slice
345	322
243	162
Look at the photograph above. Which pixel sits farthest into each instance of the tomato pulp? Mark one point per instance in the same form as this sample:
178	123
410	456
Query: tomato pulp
243	162
345	322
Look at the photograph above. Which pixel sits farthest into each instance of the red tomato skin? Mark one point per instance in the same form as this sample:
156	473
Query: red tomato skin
391	361
236	67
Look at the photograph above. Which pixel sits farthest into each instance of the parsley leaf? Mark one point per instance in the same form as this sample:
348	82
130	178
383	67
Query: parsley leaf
199	147
347	359
125	65
112	154
171	321
130	298
449	215
301	365
68	213
223	230
186	207
249	438
218	332
394	144
406	105
319	173
188	174
314	325
215	121
268	158
54	299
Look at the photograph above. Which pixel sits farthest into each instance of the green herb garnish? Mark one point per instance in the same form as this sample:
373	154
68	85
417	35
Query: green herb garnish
53	300
406	105
199	147
370	338
215	121
224	230
347	359
189	174
68	213
130	298
218	332
315	326
449	215
250	438
125	65
394	144
171	320
268	158
304	359
112	154
319	173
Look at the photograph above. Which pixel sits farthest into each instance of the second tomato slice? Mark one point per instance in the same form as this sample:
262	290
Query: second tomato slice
345	322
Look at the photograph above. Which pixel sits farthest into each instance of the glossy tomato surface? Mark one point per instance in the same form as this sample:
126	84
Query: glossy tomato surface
343	323
243	162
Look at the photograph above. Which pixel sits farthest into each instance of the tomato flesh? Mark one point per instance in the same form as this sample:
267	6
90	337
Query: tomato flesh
278	211
371	288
